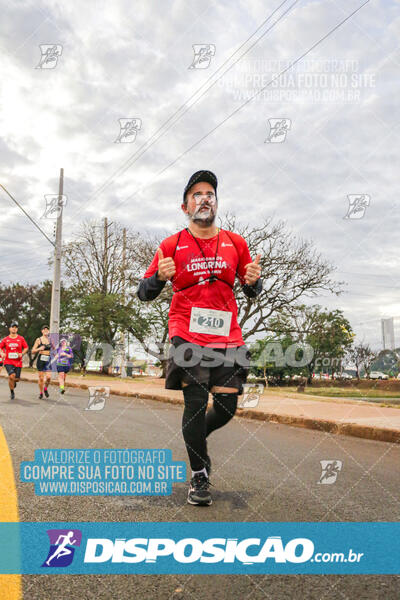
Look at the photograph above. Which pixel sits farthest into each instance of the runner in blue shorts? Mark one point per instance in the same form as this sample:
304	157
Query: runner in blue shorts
64	359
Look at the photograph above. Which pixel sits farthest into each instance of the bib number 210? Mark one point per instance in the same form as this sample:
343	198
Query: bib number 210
210	321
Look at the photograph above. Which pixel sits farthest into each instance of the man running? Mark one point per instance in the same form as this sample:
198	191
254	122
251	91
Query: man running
202	262
14	347
42	346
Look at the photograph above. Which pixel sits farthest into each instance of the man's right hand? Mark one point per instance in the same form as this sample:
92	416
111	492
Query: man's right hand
166	266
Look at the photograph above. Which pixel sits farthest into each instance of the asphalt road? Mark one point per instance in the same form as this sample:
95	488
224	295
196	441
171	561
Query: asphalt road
261	472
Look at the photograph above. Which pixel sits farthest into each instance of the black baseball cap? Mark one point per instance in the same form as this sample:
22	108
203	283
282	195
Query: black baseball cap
202	175
13	324
44	327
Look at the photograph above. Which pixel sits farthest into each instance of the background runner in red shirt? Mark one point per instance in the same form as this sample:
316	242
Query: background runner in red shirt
14	346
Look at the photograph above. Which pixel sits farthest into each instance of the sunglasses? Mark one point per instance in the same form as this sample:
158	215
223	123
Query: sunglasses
209	196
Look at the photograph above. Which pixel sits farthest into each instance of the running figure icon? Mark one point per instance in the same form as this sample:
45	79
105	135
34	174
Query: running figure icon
62	549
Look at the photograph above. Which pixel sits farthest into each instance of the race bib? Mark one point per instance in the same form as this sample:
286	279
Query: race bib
44	357
207	320
13	355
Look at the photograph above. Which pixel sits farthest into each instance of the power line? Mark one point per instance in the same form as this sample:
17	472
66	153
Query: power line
26	214
132	159
249	100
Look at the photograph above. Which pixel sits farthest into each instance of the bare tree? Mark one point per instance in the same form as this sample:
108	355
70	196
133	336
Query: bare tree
94	259
361	355
291	269
354	355
100	277
367	357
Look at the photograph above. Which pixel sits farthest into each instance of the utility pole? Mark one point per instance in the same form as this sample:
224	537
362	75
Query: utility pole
56	289
105	256
105	275
123	362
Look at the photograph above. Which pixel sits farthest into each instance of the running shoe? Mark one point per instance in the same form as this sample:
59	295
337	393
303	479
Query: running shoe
62	390
198	490
46	393
40	396
12	395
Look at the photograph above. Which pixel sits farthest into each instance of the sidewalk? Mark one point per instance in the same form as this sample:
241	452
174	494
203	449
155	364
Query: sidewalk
340	416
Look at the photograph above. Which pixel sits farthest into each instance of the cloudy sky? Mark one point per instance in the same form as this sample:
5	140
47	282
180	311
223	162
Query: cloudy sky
337	110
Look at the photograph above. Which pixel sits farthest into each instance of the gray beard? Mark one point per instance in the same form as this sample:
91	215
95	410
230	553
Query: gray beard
203	221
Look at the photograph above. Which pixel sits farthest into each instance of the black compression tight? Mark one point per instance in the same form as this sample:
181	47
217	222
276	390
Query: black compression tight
197	424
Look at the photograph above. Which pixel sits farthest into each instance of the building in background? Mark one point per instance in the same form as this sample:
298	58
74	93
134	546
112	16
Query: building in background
388	334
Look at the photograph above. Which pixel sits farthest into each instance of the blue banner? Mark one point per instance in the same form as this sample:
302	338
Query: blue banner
200	547
103	472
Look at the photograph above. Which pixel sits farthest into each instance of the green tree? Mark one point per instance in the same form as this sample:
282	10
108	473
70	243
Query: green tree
327	333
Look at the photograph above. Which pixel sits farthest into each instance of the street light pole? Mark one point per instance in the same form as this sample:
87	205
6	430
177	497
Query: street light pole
56	289
123	340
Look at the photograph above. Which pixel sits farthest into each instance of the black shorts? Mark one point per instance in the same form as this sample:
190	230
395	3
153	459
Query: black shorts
43	365
11	369
228	368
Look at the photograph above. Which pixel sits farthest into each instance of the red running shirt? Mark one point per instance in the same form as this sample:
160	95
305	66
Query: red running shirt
192	267
11	345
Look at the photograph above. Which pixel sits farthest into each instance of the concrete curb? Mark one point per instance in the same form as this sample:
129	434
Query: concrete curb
380	434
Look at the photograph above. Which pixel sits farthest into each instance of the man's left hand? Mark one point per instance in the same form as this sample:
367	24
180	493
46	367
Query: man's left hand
253	271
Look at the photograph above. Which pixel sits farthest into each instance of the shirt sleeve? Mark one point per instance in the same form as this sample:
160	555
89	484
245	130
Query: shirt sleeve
150	286
24	344
3	344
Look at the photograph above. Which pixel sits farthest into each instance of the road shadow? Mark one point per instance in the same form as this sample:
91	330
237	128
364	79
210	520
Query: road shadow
22	402
238	500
